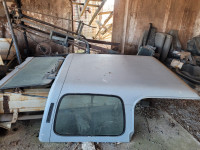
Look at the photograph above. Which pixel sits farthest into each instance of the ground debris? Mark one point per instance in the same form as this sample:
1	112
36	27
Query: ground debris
164	133
185	112
88	146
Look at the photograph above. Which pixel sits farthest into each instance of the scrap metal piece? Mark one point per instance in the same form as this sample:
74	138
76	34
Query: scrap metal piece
193	45
176	44
151	38
176	64
166	47
146	51
12	32
159	41
43	49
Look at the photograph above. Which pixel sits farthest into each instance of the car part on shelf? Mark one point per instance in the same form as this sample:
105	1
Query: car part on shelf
166	47
146	51
193	46
159	41
176	44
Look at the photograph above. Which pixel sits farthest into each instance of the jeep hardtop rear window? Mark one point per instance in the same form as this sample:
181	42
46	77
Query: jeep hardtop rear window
90	115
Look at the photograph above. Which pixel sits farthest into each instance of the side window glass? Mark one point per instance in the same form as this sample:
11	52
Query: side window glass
89	115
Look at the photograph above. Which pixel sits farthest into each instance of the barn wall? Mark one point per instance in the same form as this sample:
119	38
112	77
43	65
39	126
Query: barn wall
182	15
58	8
4	32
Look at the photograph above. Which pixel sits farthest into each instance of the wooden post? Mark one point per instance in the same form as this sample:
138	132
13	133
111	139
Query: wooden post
125	27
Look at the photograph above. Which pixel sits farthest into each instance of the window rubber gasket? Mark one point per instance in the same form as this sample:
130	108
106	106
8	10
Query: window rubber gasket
124	116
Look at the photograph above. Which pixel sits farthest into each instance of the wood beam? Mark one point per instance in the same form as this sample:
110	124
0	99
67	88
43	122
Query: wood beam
84	7
96	0
108	29
104	24
105	13
125	26
97	11
92	5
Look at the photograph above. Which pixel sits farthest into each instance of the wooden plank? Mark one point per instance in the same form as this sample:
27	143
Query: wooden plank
96	0
92	5
97	11
84	7
118	17
28	100
1	61
187	19
103	42
104	24
108	29
105	13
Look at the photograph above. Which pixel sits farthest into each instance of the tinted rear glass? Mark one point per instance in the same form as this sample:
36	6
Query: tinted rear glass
90	115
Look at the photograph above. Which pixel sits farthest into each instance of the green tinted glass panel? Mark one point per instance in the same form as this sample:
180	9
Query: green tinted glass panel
34	73
89	115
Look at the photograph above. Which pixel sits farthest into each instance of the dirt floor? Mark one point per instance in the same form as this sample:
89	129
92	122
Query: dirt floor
185	112
154	129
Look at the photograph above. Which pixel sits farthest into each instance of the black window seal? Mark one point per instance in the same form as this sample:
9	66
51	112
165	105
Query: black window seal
50	113
92	94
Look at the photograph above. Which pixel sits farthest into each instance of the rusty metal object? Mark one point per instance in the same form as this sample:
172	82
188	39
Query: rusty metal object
48	24
6	100
29	100
60	39
12	32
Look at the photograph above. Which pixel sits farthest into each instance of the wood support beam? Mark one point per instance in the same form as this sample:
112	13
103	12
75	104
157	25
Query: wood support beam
104	24
92	5
105	13
125	26
108	29
96	0
97	11
84	7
